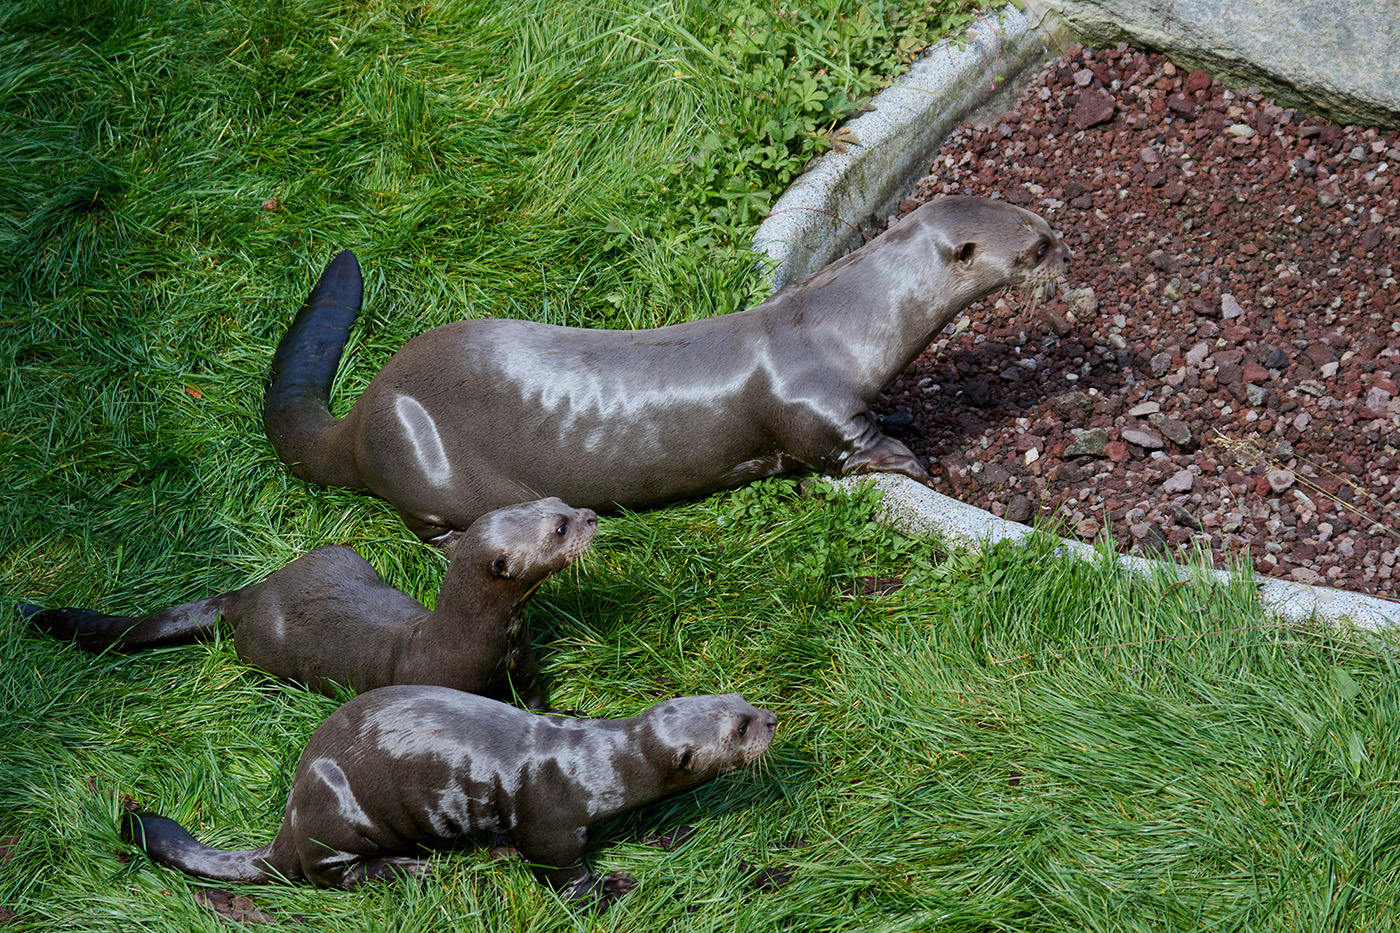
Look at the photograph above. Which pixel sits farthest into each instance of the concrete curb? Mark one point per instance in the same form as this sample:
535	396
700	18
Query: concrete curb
915	509
897	142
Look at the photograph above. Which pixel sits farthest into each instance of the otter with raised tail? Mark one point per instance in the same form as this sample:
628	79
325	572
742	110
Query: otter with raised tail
327	617
400	768
476	414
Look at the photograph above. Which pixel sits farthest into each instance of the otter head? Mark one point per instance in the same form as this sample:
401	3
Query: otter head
987	245
691	740
521	545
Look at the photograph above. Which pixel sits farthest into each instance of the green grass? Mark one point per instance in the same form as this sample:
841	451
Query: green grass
1009	742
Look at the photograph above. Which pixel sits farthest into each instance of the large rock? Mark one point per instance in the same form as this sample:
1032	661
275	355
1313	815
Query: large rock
1335	58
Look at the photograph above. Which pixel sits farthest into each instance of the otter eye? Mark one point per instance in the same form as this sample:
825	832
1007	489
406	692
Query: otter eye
563	528
966	252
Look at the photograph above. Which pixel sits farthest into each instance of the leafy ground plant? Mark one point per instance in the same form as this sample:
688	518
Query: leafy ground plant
969	742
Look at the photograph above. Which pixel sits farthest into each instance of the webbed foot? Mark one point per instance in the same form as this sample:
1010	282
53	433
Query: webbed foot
385	867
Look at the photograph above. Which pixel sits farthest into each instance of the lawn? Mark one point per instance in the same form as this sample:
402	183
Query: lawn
1007	741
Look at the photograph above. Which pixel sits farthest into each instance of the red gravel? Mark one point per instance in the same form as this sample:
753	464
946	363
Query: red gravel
1226	346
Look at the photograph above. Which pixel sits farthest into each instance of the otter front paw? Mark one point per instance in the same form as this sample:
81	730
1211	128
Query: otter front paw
599	892
616	884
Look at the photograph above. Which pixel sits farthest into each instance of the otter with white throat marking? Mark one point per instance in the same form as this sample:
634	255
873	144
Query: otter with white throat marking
476	414
328	618
401	768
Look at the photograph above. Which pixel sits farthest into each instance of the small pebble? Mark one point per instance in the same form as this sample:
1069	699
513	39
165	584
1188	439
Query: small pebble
1279	480
1149	440
1180	481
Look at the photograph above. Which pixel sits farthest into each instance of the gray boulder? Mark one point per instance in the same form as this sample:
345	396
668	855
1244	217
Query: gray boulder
1337	59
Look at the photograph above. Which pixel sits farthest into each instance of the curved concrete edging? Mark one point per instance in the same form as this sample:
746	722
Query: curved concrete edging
812	224
914	509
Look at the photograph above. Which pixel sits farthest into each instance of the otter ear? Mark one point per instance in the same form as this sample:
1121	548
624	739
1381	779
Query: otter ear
965	252
684	757
501	566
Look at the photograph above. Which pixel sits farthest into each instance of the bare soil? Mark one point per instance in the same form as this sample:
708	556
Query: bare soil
1220	368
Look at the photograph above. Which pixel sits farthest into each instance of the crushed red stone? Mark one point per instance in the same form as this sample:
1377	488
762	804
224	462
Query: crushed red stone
1220	367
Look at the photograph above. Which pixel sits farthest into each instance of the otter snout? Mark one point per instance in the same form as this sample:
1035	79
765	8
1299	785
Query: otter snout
583	528
1052	258
763	726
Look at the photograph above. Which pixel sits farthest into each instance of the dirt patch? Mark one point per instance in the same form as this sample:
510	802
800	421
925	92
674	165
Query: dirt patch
1220	367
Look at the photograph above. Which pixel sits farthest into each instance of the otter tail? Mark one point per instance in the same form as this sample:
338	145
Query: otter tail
296	408
167	842
95	631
